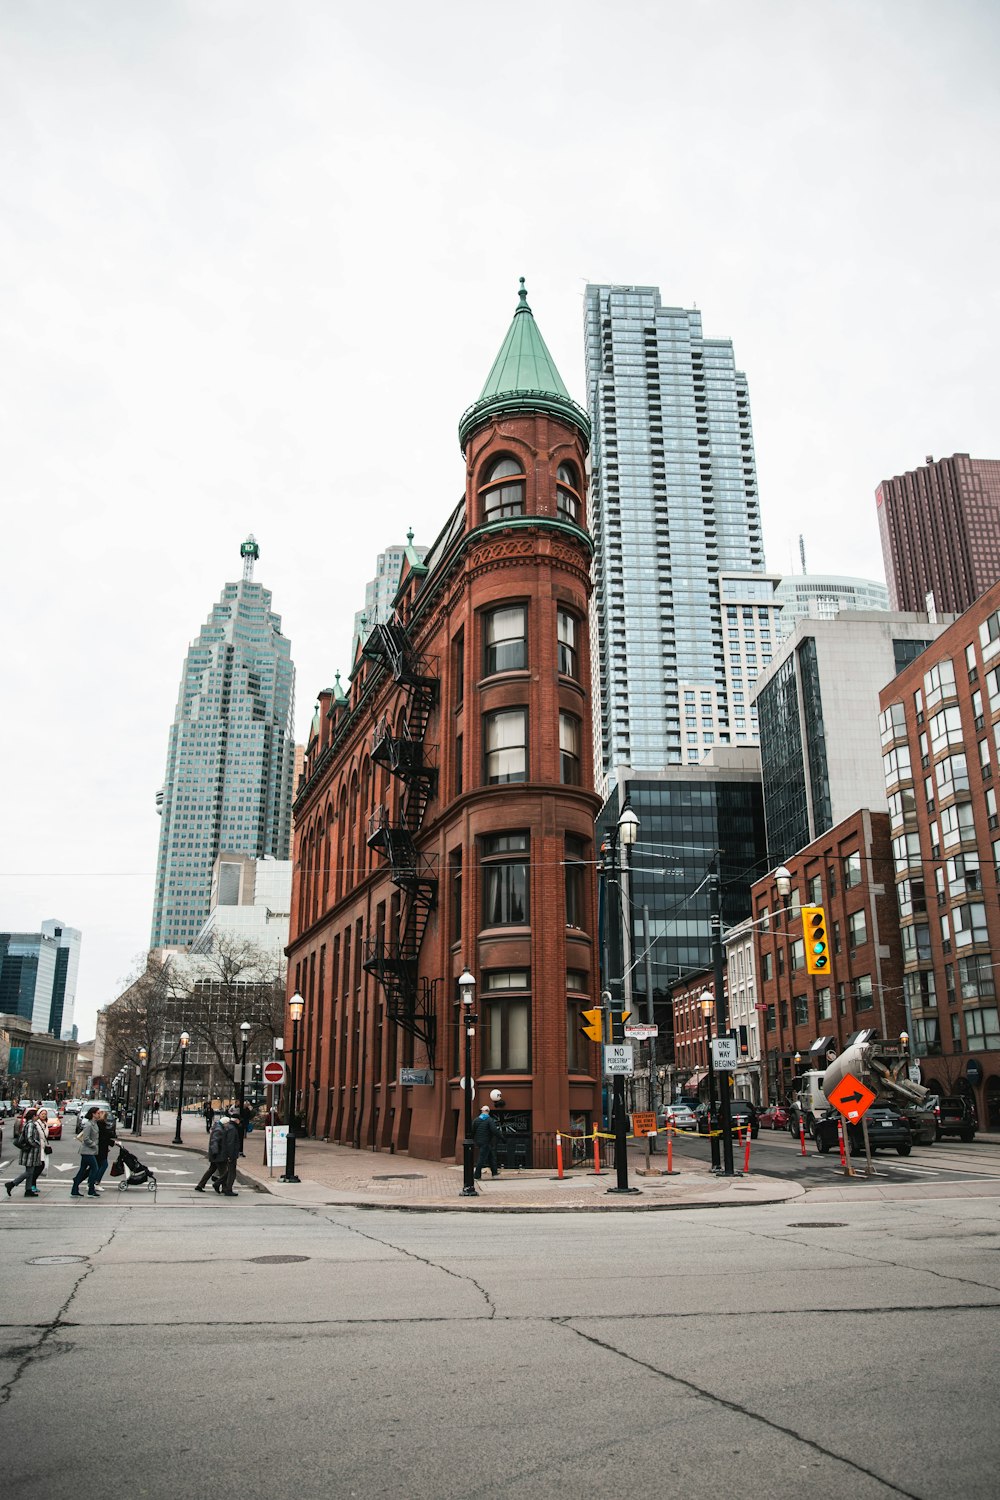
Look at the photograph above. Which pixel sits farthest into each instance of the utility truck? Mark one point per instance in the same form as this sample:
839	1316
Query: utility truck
882	1066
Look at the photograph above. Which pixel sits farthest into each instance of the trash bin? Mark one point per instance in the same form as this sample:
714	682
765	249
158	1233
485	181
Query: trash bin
129	1116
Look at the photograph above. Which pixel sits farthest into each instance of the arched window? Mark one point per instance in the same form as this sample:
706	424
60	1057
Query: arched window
567	493
502	490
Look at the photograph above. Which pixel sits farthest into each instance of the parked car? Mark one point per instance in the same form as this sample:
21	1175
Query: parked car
680	1115
886	1127
741	1114
955	1114
775	1117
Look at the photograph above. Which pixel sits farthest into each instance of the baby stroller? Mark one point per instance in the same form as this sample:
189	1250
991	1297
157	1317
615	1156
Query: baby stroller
132	1172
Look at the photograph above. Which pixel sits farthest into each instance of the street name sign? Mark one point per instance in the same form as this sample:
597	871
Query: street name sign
274	1071
724	1053
618	1058
641	1031
852	1097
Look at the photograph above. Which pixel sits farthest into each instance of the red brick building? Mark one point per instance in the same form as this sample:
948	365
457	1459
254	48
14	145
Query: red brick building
446	814
940	739
849	872
940	531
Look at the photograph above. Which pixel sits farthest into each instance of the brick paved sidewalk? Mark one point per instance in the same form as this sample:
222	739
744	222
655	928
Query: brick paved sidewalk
335	1174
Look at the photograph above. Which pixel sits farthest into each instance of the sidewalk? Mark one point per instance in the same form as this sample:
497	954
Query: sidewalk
333	1174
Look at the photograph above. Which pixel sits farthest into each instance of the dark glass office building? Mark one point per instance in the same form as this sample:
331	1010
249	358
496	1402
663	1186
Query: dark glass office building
687	817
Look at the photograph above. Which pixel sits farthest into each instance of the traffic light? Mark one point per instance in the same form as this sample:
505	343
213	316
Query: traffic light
256	1072
595	1025
817	944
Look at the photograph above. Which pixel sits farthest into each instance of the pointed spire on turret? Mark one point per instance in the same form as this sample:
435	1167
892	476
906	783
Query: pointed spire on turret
523	378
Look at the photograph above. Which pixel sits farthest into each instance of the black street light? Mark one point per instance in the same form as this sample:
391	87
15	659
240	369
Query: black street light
185	1043
296	1006
140	1093
466	988
245	1034
623	835
707	1002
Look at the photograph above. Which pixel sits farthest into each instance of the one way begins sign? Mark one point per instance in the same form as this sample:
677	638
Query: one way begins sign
852	1097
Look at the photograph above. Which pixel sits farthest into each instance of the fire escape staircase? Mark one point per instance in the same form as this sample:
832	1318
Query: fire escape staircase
392	956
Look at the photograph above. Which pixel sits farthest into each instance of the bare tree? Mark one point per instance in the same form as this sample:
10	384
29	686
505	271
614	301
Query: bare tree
231	981
140	1018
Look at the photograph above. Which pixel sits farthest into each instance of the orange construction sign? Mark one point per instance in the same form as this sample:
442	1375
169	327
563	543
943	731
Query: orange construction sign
852	1097
643	1122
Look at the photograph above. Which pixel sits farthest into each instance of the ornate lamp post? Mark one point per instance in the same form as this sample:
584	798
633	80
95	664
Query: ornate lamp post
296	1006
466	989
707	1002
245	1034
185	1043
140	1093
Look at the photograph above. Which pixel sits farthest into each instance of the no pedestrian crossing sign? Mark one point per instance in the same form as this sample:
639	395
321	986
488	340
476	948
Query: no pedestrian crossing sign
274	1071
618	1058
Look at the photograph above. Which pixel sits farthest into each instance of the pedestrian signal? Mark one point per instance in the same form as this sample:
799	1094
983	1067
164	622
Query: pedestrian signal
595	1025
817	944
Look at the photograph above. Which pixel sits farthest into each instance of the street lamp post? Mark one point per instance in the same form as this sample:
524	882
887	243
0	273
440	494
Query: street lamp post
707	1002
296	1006
140	1093
466	989
783	881
185	1043
623	836
245	1034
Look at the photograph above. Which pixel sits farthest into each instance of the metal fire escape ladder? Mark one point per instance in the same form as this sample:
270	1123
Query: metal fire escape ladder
393	956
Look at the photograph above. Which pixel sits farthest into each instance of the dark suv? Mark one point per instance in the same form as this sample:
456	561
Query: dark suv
922	1120
741	1114
955	1115
886	1127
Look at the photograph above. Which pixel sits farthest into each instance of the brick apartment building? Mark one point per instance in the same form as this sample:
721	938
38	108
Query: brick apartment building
849	872
940	738
446	814
940	531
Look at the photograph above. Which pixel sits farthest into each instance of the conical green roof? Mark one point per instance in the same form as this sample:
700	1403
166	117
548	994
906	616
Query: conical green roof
523	378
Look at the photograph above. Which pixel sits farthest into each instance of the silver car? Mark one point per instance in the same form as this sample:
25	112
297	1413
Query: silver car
681	1116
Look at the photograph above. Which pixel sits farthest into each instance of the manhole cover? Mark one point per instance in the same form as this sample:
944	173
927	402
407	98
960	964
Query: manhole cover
400	1177
819	1224
275	1260
56	1260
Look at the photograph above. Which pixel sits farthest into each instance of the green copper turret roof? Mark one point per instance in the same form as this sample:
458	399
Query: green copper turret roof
523	378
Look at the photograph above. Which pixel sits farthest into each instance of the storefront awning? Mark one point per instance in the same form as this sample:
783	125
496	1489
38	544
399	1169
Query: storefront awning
691	1087
822	1043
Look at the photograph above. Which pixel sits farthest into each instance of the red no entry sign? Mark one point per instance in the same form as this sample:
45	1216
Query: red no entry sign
274	1072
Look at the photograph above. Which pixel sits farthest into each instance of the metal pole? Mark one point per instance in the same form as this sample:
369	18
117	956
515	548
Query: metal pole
243	1087
468	1169
180	1100
616	936
722	1021
713	1140
648	966
289	1173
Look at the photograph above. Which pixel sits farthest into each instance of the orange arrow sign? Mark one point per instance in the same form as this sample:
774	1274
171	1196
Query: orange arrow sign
852	1097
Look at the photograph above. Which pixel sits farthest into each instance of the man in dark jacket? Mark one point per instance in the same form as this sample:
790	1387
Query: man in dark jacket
217	1165
485	1134
230	1150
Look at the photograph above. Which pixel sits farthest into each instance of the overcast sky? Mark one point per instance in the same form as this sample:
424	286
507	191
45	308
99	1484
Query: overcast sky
257	258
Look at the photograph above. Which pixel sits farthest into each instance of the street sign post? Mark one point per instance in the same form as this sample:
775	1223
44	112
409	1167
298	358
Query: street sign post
274	1071
852	1097
640	1031
724	1053
619	1058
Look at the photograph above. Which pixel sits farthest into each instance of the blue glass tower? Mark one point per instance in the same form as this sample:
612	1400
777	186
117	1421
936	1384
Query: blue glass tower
674	504
230	757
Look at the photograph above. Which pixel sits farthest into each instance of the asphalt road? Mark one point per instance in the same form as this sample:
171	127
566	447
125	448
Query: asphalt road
194	1348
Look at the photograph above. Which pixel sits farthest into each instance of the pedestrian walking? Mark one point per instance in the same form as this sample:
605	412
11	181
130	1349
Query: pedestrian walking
209	1114
88	1140
34	1142
485	1134
223	1149
105	1140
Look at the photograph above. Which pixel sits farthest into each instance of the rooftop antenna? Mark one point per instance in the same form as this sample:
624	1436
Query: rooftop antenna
802	554
249	551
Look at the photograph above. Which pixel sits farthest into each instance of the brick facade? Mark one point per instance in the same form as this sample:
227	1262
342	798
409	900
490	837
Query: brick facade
504	869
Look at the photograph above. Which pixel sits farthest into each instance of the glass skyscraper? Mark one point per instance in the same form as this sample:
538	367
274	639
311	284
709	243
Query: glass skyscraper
230	758
673	504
